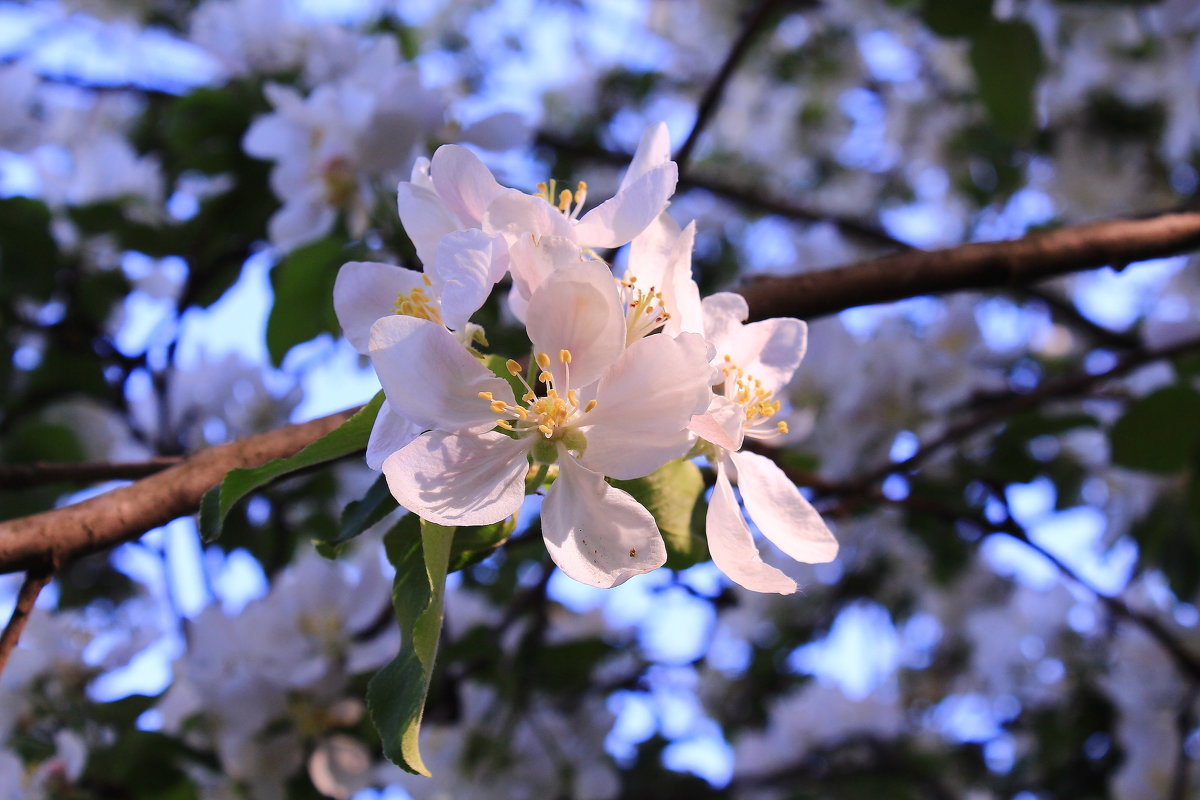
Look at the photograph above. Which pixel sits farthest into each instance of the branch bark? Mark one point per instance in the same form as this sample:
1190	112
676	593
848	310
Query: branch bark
52	538
1033	258
35	581
20	476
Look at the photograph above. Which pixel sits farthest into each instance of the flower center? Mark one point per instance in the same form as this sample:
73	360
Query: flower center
553	414
645	309
568	202
338	177
759	404
418	304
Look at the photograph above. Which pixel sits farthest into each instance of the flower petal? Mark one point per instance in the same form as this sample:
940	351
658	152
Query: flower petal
430	378
533	258
723	423
770	350
618	219
644	404
514	213
463	182
389	433
595	533
653	149
468	264
724	313
456	479
732	546
578	308
365	291
781	512
425	217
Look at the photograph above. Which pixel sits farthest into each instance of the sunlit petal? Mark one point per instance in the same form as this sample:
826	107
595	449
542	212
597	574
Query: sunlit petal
781	512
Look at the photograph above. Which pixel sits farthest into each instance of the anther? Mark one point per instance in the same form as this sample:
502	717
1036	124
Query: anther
545	377
485	395
499	406
503	423
590	405
573	397
543	360
782	427
513	368
564	356
547	430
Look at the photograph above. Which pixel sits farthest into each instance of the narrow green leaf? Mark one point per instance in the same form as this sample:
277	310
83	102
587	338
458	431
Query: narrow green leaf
349	437
673	495
420	551
477	542
1007	60
303	286
376	504
1160	432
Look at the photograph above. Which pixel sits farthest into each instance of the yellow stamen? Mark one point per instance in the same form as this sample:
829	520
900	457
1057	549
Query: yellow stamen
499	406
564	200
782	427
543	360
546	429
564	356
485	395
545	377
573	397
503	423
590	405
513	367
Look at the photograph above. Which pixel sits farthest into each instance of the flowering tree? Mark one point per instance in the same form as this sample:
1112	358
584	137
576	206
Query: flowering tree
597	400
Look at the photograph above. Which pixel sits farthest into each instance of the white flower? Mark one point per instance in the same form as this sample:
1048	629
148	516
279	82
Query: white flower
756	360
328	145
608	411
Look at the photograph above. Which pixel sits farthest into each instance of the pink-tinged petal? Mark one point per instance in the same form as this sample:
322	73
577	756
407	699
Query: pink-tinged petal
724	313
515	214
463	181
680	292
732	546
505	130
781	512
770	350
532	258
431	379
651	249
644	404
722	424
390	433
653	149
456	479
617	220
468	264
595	533
577	308
425	217
301	220
366	291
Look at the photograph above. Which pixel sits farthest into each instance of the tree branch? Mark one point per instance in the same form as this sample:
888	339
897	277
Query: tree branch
985	265
34	582
755	24
53	538
21	476
756	199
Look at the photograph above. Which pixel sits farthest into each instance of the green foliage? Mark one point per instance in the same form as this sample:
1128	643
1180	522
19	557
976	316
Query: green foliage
1160	432
474	543
351	436
303	286
420	552
359	515
29	255
674	495
1008	62
956	17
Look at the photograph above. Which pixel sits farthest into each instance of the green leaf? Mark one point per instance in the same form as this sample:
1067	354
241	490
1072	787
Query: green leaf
1007	60
420	551
376	504
673	496
956	17
303	286
1160	432
477	542
498	365
347	438
28	252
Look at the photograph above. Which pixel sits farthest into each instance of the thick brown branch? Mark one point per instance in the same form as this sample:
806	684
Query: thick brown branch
53	538
1034	258
34	582
21	476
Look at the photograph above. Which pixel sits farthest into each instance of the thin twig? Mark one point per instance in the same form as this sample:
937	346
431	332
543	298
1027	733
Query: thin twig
1185	723
1011	405
32	586
1068	312
38	473
711	99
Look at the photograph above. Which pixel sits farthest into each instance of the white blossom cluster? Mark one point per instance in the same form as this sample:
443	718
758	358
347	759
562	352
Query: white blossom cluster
632	372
